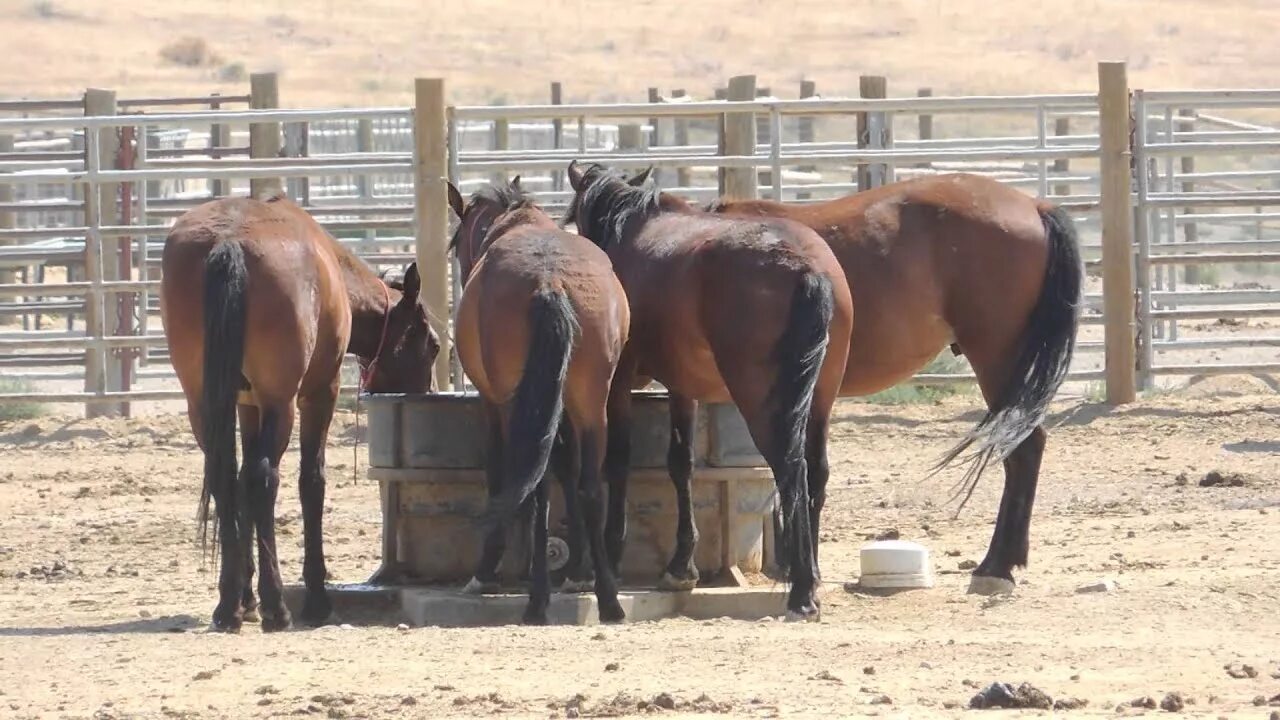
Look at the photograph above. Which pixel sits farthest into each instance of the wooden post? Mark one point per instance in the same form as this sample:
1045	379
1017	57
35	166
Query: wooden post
1190	233
739	135
805	128
631	137
557	135
924	122
364	183
1117	231
264	138
656	139
431	211
7	221
295	146
1062	128
219	137
870	86
681	132
501	141
101	369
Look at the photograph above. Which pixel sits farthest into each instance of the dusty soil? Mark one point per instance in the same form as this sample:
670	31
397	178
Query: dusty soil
104	599
342	53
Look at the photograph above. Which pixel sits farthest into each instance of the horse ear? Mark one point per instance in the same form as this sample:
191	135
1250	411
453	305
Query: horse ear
455	200
515	182
575	176
639	180
412	283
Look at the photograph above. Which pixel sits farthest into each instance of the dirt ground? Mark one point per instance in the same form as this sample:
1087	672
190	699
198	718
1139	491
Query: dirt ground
104	600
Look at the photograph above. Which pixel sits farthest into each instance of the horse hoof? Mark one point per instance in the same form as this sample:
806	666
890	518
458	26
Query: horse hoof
672	583
475	586
535	617
987	585
250	614
275	623
570	587
225	626
316	611
806	615
611	613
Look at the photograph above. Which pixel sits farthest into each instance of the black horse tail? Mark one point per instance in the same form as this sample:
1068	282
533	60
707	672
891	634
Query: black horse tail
225	285
538	403
1042	361
799	352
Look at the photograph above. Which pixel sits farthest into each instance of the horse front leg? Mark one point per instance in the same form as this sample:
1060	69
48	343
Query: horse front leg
681	573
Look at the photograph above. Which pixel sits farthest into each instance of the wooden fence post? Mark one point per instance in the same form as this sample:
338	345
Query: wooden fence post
364	183
219	136
501	141
681	133
296	137
1117	231
557	135
924	123
870	128
631	138
1190	233
1062	128
431	211
656	139
7	217
101	260
264	138
805	129
739	133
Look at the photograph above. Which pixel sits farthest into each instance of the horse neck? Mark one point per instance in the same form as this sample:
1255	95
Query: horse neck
370	301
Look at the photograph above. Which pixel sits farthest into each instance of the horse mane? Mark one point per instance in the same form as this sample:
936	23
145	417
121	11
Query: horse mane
508	196
603	210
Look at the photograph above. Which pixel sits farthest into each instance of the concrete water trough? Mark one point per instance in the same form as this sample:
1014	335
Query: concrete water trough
427	454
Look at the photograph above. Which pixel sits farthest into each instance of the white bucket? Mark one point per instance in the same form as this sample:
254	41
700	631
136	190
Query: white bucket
895	564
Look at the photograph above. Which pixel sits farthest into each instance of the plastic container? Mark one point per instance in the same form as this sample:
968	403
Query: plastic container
895	565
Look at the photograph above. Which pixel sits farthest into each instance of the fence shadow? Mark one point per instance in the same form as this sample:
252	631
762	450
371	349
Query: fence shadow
142	626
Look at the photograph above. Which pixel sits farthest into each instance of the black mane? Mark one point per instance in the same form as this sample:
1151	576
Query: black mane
608	203
508	196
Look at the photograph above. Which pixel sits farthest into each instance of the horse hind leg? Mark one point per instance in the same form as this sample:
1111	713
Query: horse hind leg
485	579
263	486
566	463
681	573
316	416
248	435
1010	539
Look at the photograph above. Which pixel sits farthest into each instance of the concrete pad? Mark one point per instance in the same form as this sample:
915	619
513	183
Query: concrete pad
353	603
363	604
450	608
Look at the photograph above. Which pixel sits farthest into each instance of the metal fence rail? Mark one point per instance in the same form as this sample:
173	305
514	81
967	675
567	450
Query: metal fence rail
358	170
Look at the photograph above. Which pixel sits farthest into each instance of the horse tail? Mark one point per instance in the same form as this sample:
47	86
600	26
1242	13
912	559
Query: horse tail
799	352
225	285
1043	358
538	403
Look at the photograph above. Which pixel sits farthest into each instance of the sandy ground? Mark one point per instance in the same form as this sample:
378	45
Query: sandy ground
104	599
342	53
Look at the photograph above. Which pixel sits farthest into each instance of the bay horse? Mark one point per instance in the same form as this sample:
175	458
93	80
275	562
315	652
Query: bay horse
964	261
540	329
753	311
259	305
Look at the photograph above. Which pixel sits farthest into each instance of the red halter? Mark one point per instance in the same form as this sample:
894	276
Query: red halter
366	371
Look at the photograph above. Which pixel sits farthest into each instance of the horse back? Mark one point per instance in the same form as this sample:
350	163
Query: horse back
297	311
493	328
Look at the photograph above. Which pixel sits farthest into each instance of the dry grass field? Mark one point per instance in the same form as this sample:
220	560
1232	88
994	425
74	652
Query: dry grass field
361	53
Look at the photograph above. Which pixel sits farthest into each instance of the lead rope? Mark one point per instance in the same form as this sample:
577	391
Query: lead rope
366	374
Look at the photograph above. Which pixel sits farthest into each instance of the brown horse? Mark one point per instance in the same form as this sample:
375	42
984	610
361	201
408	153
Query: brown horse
753	311
965	261
540	328
259	306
